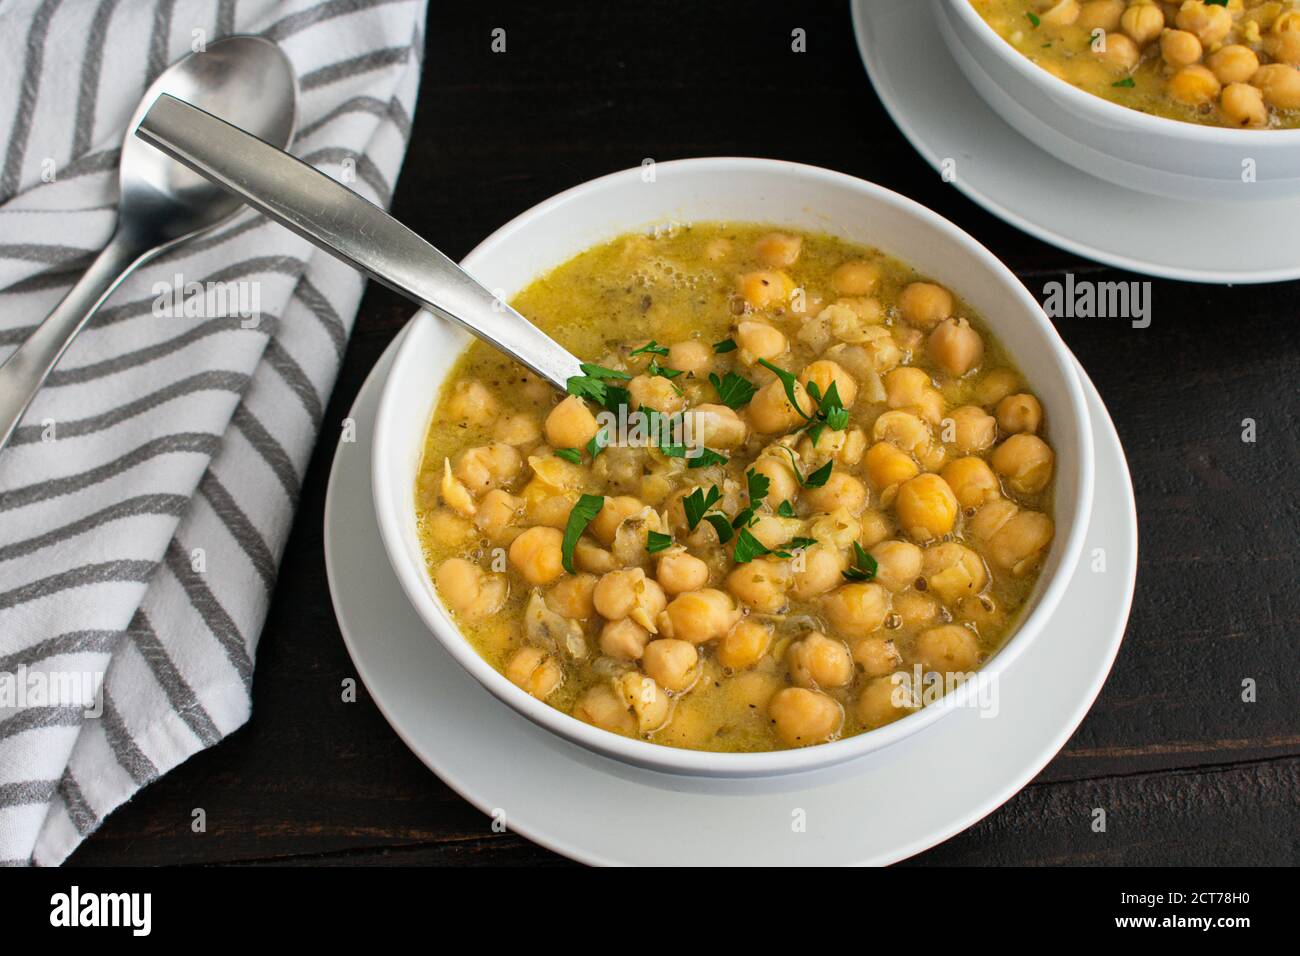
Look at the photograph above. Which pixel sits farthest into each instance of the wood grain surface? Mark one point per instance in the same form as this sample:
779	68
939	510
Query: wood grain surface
1187	771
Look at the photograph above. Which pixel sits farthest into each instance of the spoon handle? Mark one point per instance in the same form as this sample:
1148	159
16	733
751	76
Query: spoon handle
347	226
25	371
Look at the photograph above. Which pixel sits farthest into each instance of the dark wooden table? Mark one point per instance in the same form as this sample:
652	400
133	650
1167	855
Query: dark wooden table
1187	771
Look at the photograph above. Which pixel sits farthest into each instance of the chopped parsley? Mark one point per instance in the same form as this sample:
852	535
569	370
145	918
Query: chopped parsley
820	476
1127	83
1033	18
790	383
864	565
586	508
656	542
650	348
733	390
569	454
748	547
726	345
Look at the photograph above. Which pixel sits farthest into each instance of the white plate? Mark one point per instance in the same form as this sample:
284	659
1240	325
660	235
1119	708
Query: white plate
944	118
879	809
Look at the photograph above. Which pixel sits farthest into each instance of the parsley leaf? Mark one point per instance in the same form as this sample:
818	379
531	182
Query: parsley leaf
585	386
785	509
651	348
726	345
697	503
748	548
569	454
790	382
1033	18
587	507
820	476
1127	83
599	371
721	525
734	390
864	565
598	443
757	486
656	542
706	458
654	368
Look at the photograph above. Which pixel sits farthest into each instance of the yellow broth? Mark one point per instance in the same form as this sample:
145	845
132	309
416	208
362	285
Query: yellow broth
708	283
1230	65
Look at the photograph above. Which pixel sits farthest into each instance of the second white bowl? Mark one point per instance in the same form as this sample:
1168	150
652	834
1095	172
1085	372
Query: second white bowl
732	190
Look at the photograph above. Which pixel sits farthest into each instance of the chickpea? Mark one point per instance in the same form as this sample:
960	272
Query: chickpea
716	425
1193	86
657	392
1283	46
925	304
996	385
763	289
1180	48
990	518
1019	413
692	357
671	664
926	507
744	645
1280	84
906	386
826	373
783	484
536	553
903	430
917	609
877	656
898	564
648	703
761	584
1101	14
972	481
571	597
1243	105
1018	544
536	671
680	572
570	424
629	593
1119	54
612	514
1142	22
777	250
552	510
953	571
803	717
857	608
471	402
497	513
856	277
883	701
951	649
822	568
717	249
817	661
447	528
758	340
973	429
1061	14
1233	63
1210	23
770	410
699	616
887	466
624	640
517	429
840	491
956	347
1025	462
488	466
593	559
603	706
876	527
469	590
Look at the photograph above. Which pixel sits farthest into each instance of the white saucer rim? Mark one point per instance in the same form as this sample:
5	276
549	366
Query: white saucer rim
1044	755
993	206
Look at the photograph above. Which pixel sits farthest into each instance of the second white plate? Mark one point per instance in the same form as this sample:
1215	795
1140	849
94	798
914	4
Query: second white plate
946	119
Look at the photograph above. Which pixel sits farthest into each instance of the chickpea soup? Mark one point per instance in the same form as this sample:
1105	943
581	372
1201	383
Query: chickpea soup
1222	63
798	489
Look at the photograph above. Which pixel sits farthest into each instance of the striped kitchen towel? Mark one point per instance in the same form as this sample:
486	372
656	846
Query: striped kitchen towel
146	498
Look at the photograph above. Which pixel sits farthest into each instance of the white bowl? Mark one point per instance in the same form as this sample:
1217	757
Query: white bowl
1121	145
735	190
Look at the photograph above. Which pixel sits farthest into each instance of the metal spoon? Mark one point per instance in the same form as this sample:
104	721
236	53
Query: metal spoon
162	203
347	226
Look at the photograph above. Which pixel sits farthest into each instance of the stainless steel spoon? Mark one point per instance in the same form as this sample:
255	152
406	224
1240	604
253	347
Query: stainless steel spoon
346	225
162	203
